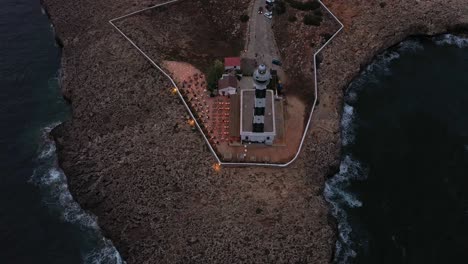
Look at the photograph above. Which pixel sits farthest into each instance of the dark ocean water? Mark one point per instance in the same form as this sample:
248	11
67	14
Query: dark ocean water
39	221
401	195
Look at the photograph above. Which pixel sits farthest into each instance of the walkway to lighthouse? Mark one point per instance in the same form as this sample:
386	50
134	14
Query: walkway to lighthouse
261	43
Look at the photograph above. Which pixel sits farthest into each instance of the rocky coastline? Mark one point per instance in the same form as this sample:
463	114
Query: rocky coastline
131	159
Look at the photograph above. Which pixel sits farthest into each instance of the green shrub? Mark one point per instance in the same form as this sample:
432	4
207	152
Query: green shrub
326	36
292	18
312	20
244	18
280	7
214	73
318	12
304	6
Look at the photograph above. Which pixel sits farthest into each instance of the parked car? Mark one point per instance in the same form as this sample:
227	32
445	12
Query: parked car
276	62
268	15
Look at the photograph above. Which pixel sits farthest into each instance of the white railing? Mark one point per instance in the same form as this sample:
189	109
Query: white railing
193	116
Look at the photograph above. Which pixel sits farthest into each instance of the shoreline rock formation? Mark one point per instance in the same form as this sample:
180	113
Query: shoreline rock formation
131	159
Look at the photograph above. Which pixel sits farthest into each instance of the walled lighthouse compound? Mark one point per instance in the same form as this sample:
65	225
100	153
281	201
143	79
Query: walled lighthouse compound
257	124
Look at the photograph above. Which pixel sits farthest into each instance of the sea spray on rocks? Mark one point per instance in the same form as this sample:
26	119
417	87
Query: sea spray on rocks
56	195
411	45
336	190
340	198
347	134
340	190
449	39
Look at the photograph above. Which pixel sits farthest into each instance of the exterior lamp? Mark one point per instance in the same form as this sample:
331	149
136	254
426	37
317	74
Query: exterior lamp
217	167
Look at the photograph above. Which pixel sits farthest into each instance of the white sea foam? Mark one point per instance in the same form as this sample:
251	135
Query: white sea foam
411	45
340	199
370	75
381	63
336	190
105	254
51	179
351	96
347	134
449	39
380	66
48	151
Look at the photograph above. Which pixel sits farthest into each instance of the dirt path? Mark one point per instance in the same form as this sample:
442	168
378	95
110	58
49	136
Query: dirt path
261	40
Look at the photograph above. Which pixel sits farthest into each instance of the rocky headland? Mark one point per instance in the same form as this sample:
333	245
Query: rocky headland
131	159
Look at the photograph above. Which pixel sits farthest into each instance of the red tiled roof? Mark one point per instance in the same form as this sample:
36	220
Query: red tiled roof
232	61
227	81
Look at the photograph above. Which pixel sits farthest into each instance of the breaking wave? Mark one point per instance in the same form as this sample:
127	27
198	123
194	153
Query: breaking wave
336	191
341	199
347	134
56	195
450	40
380	66
381	63
410	45
105	254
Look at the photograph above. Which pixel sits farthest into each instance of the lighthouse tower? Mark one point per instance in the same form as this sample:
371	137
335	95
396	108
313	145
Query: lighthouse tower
257	110
261	80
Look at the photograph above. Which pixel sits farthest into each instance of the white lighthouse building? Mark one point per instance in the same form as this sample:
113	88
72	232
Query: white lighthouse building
258	112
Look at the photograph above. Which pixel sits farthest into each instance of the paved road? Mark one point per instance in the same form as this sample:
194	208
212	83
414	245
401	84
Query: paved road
261	41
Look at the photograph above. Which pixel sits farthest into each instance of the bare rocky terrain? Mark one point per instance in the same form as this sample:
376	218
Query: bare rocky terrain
297	42
131	159
197	32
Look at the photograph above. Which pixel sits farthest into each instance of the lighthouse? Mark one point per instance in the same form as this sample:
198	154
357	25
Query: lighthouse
257	124
261	79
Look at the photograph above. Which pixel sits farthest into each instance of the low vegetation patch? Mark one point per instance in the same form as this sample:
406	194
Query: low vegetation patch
318	12
280	7
304	6
244	18
326	36
214	73
312	19
292	18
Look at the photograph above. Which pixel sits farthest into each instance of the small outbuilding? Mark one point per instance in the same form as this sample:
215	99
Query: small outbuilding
228	85
232	63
